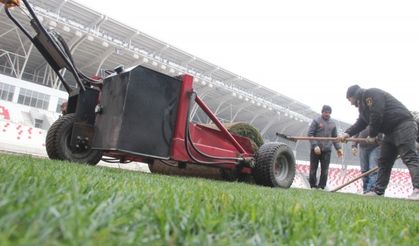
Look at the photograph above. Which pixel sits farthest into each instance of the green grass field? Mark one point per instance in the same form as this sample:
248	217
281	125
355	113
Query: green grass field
44	202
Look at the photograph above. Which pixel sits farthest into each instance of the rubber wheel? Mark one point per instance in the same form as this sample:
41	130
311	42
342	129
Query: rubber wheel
275	165
50	140
58	143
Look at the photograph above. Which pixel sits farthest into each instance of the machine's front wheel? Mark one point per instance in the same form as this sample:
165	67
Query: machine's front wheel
50	140
58	143
275	165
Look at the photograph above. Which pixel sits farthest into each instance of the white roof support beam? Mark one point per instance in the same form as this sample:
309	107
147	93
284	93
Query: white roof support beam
107	54
287	125
12	65
57	82
186	63
15	62
26	61
227	107
224	99
159	52
44	78
95	24
50	76
59	7
195	108
198	119
102	58
268	125
234	79
210	72
255	117
236	114
132	37
8	31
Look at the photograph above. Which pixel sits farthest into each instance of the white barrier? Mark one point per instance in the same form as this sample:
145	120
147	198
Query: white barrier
400	185
22	139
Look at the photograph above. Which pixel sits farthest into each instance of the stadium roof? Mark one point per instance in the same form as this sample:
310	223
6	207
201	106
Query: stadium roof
100	43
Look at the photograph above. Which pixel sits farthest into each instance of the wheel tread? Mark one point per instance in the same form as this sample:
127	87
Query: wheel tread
56	143
265	158
51	140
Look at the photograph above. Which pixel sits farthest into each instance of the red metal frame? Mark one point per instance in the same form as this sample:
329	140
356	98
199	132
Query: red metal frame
209	141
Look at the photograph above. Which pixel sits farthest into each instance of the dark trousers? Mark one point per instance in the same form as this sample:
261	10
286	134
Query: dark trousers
324	159
402	141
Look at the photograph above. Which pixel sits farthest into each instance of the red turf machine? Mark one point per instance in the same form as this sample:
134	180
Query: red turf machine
139	114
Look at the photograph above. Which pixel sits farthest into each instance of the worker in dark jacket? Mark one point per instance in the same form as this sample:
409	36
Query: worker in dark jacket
417	137
321	150
383	113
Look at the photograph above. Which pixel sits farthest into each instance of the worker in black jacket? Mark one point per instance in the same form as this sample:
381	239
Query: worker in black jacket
417	137
322	126
383	113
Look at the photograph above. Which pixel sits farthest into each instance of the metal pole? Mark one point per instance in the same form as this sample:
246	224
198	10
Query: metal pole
334	139
355	179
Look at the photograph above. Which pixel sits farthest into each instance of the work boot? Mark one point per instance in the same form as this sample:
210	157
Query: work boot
371	193
414	195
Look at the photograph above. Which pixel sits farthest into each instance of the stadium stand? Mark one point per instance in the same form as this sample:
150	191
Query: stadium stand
27	139
30	93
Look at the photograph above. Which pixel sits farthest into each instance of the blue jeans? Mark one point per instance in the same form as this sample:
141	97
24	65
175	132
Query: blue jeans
368	158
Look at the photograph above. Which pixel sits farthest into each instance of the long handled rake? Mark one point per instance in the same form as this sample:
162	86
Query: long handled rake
355	179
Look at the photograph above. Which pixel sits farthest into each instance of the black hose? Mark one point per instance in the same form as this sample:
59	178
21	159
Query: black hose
188	141
67	52
210	156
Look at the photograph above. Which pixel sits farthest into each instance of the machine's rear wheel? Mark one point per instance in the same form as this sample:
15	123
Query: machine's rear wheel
275	165
58	143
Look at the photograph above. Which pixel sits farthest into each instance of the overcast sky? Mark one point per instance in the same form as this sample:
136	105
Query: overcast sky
309	50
